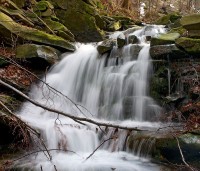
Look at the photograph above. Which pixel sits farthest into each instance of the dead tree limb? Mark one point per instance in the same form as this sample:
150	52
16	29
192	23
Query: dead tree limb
75	118
182	156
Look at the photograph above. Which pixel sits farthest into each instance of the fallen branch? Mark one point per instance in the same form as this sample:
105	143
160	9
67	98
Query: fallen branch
75	118
182	156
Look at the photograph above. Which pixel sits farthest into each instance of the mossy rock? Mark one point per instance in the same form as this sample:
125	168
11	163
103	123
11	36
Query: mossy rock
85	29
100	22
192	46
166	149
191	22
114	26
26	33
121	40
59	29
18	15
167	19
159	83
182	31
39	53
164	39
106	46
3	61
167	52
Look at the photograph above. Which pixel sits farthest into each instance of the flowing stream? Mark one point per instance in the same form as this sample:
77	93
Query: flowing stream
111	88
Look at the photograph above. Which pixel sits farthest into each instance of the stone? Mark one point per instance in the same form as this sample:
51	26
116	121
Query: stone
172	52
132	39
79	18
37	52
131	30
121	40
192	46
106	46
59	29
166	149
114	26
167	19
164	39
193	34
191	22
26	33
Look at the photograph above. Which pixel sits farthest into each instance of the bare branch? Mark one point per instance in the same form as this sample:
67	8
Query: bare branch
83	119
99	147
182	156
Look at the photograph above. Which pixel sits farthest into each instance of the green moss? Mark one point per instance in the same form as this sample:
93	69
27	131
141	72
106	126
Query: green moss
35	35
190	45
191	22
179	30
164	39
167	19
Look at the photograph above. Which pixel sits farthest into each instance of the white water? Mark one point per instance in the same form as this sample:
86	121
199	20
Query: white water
113	89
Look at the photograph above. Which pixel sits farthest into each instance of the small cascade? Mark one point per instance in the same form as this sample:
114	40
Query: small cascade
112	88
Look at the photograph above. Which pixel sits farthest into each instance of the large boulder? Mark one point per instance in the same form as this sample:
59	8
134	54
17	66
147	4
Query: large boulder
106	46
191	22
9	27
39	53
166	52
192	46
168	19
79	17
164	39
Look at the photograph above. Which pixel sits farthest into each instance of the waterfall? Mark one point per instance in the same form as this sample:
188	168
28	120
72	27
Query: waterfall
113	87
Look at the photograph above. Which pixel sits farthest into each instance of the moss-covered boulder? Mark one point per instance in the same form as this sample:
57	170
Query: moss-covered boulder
192	46
164	39
38	53
106	46
166	52
167	19
9	27
79	17
17	15
59	29
166	149
191	22
182	31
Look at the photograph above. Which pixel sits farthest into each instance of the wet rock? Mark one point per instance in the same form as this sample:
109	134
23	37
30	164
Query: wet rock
132	39
164	39
134	51
26	33
121	40
192	46
131	30
166	149
39	53
167	52
106	46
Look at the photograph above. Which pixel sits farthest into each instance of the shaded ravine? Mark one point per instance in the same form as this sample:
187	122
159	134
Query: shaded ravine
113	88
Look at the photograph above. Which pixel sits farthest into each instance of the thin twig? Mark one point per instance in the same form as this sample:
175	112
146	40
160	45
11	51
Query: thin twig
98	148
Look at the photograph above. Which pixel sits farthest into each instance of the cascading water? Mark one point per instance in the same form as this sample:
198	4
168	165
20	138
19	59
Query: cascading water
113	88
